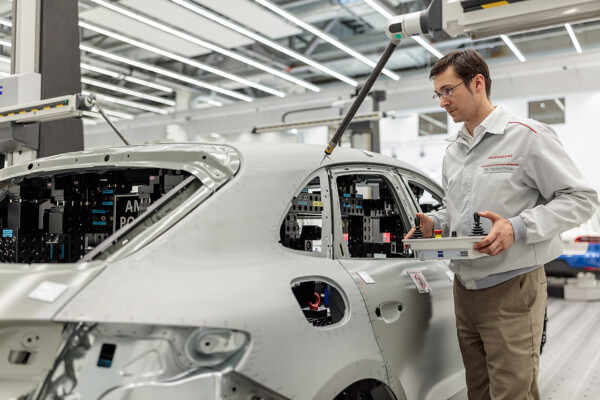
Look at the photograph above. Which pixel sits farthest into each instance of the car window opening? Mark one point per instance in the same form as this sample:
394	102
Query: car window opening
61	218
427	200
303	224
371	220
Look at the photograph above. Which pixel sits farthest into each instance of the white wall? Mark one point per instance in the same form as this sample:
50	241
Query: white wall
580	134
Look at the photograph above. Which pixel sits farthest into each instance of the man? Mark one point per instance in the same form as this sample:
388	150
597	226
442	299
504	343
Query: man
515	173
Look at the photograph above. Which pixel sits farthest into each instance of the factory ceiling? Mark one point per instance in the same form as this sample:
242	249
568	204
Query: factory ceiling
158	56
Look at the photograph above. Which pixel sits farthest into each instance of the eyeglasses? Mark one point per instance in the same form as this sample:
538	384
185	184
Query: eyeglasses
446	92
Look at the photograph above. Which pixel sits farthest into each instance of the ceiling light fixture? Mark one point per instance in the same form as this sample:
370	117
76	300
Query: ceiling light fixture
377	7
512	46
118	75
324	36
131	104
573	38
104	85
261	39
105	71
427	46
182	59
165	72
214	102
203	43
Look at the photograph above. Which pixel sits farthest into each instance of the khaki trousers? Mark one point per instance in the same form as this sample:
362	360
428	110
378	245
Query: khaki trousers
499	333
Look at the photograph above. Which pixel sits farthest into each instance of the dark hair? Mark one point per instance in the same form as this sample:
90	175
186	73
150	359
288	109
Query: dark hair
467	64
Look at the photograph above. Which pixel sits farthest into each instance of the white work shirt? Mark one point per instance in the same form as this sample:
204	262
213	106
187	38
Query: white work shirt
479	129
518	169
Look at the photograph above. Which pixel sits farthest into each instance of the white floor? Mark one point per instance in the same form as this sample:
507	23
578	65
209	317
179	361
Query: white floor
570	362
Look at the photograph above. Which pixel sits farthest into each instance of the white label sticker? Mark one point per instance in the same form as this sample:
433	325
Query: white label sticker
365	277
48	291
420	281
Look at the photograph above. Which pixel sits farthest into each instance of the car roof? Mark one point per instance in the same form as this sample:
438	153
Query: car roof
270	156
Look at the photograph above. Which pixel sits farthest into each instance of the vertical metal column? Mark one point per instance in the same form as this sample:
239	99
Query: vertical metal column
24	60
59	65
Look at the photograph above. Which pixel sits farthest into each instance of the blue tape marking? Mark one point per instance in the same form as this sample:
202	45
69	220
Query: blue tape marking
347	195
62	251
358	207
302	203
99	223
108	191
7	233
305	190
347	205
359	196
107	203
98	211
51	251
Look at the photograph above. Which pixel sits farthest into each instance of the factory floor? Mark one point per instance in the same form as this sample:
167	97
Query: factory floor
570	362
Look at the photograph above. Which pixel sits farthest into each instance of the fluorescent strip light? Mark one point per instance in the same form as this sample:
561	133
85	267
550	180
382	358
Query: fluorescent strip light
166	72
265	41
214	102
429	47
4	74
5	60
512	46
107	72
6	23
417	39
377	7
210	46
130	92
117	75
184	60
132	104
324	36
573	38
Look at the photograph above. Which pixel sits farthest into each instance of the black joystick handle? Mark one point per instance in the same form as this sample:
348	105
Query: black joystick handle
477	228
418	233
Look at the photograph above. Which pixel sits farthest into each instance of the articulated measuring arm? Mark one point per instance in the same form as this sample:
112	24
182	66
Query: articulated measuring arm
446	19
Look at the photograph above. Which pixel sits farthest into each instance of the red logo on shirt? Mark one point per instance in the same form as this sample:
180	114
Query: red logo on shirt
502	156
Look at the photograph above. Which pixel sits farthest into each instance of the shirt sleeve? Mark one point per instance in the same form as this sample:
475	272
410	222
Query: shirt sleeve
568	200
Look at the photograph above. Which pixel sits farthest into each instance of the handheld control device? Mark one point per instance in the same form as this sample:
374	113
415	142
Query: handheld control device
449	248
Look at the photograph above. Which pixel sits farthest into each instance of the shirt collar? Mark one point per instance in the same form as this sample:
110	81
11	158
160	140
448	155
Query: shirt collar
494	123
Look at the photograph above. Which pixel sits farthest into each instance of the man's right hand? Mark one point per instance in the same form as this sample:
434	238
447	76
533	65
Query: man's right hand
426	226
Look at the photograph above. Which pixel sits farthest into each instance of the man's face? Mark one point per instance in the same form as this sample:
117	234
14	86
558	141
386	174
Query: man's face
460	104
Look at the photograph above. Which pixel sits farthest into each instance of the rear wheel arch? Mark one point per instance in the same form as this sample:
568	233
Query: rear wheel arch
366	389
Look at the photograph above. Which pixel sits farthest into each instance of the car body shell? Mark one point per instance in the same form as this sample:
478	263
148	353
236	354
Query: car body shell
218	262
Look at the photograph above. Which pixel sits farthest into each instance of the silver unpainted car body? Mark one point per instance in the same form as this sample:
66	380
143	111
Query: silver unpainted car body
214	273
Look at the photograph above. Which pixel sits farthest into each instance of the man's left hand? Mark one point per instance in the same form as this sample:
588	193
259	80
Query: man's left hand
500	238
